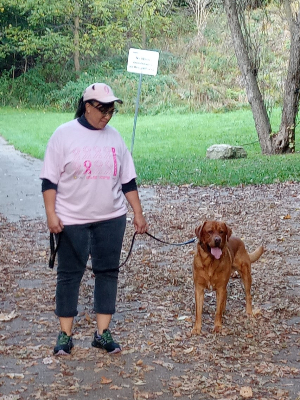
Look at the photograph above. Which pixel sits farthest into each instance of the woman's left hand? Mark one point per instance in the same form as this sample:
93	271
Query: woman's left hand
140	223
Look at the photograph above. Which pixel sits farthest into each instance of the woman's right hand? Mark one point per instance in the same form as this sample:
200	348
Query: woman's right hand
55	225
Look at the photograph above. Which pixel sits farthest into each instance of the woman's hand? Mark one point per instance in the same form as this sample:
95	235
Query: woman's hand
139	220
55	225
140	223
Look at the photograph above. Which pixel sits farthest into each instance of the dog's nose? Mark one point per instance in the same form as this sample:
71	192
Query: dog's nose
218	240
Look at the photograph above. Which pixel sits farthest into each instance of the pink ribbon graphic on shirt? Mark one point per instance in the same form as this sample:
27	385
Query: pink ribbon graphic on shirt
88	165
115	161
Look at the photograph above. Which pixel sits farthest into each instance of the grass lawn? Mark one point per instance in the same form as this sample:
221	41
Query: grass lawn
170	148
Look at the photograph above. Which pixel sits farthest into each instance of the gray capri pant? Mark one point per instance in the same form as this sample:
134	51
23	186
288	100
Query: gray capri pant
103	241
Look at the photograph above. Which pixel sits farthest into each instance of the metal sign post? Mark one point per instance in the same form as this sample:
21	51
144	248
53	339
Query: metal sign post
141	62
136	113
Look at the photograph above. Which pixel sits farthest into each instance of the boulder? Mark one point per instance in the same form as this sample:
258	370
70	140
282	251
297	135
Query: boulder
223	151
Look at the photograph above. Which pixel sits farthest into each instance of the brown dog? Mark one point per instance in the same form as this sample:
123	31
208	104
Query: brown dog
217	255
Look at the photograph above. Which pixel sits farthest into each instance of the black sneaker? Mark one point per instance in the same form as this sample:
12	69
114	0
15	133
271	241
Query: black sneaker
106	342
64	344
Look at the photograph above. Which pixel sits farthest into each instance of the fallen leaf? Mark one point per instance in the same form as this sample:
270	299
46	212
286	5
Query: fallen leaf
115	387
256	311
140	383
13	376
188	351
169	366
47	360
246	392
8	317
105	381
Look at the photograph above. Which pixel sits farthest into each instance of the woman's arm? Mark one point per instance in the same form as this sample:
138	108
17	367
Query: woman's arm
54	223
139	220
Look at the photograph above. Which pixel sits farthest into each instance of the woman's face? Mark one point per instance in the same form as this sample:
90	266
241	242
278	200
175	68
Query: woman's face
97	118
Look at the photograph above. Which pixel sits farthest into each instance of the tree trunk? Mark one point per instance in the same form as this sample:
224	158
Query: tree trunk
259	111
284	141
76	44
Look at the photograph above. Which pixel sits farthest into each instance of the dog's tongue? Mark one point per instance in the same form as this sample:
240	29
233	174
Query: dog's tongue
216	252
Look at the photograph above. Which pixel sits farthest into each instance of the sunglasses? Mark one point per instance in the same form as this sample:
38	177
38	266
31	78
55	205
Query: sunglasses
104	111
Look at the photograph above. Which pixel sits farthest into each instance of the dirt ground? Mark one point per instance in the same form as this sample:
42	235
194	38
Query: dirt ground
254	358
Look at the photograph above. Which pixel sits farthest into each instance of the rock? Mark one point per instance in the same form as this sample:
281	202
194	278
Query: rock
224	151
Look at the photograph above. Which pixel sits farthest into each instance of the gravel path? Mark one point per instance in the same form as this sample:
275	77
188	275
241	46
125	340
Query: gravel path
155	307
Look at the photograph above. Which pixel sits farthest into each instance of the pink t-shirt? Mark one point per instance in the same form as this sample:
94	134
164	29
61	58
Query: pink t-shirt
89	167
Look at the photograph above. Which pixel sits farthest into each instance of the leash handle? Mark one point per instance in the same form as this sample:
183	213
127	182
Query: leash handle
53	249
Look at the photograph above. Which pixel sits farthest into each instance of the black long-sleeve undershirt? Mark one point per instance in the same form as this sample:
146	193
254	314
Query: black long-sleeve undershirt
126	187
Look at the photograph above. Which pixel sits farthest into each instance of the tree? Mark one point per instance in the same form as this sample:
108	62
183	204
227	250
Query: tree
86	26
284	140
144	20
17	42
201	10
57	32
81	31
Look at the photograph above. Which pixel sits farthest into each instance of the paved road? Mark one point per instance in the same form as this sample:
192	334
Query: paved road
20	186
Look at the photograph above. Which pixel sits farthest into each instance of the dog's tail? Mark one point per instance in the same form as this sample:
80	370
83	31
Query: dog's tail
254	256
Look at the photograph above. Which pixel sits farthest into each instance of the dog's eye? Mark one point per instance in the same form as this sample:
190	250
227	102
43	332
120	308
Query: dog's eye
210	232
221	232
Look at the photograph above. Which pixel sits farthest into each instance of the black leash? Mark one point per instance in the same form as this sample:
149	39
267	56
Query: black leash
54	248
172	244
159	240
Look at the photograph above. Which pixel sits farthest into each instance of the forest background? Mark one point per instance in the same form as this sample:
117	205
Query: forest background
50	51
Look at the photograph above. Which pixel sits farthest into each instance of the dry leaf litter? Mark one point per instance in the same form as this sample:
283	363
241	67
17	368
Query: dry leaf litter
254	358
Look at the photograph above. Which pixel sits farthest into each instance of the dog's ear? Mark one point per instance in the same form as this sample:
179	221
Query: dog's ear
198	230
229	231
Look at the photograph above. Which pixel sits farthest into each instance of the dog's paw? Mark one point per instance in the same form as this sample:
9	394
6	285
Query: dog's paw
217	329
256	312
235	275
196	331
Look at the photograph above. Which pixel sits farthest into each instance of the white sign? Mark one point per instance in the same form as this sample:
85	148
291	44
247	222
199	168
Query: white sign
142	61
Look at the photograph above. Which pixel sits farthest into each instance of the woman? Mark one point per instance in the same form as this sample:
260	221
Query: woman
86	172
